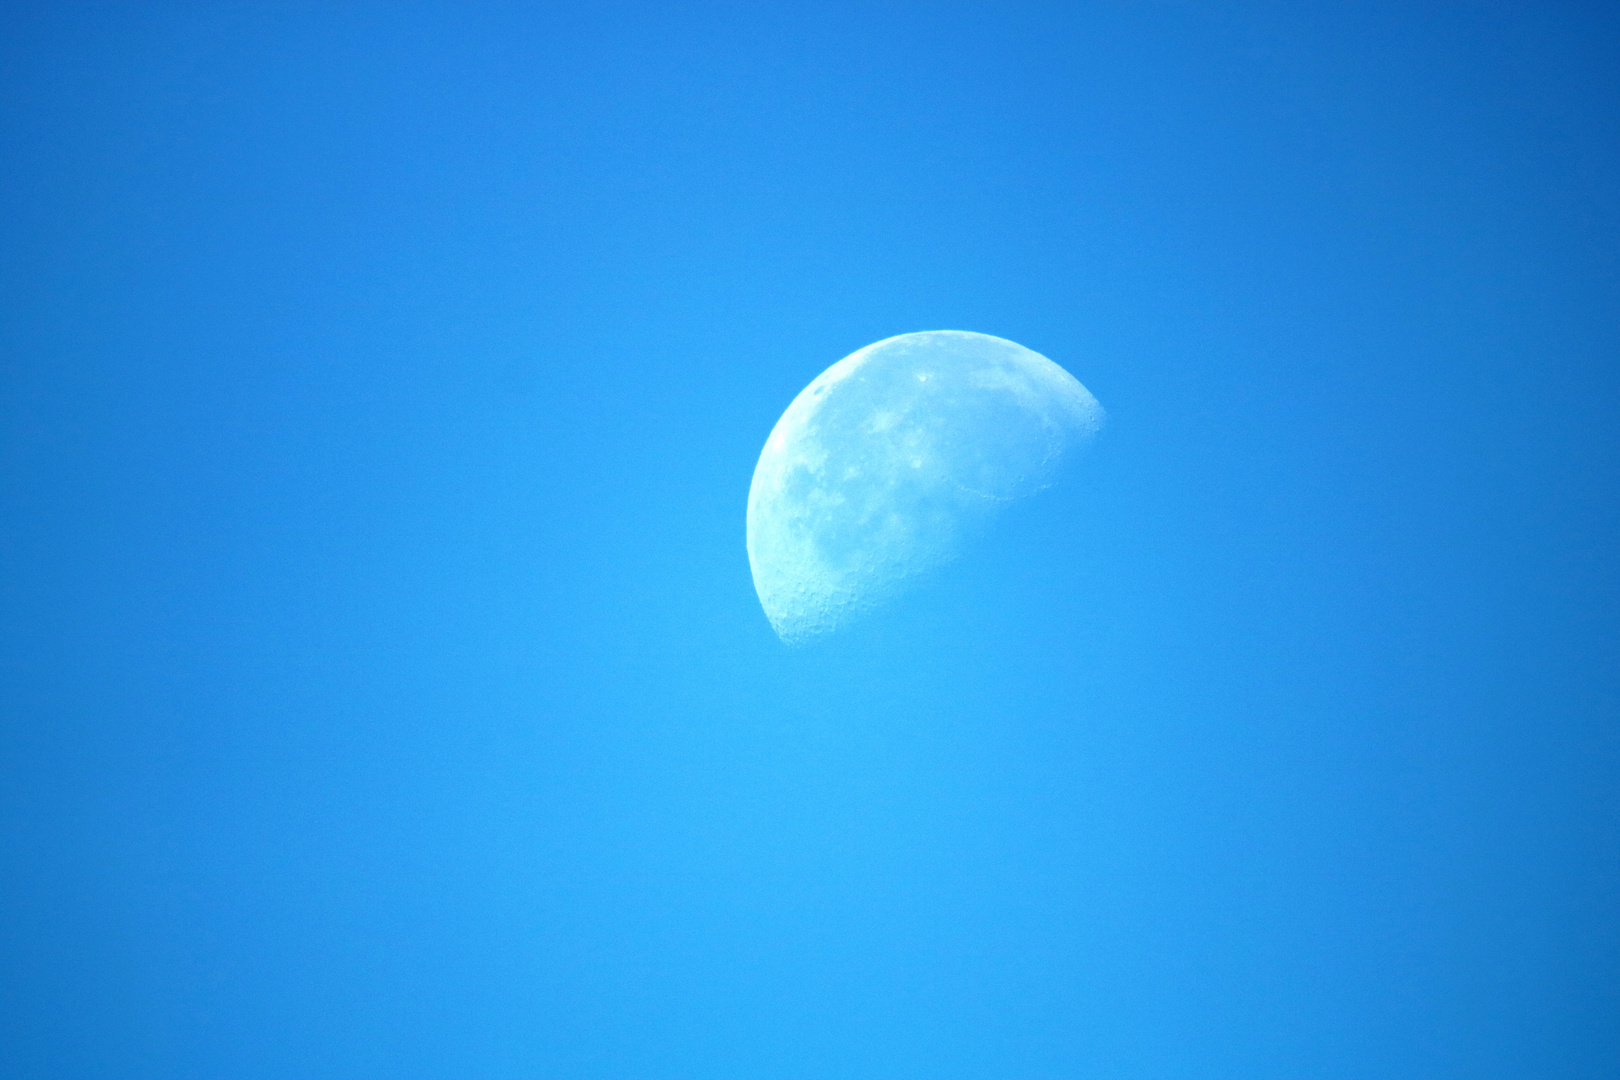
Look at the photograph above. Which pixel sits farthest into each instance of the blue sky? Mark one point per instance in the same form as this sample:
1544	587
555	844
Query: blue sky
382	688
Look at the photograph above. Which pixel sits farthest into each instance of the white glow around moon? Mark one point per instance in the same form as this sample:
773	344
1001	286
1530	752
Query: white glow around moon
884	465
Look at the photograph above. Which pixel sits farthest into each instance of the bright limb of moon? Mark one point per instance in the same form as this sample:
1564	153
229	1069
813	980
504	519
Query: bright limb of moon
891	459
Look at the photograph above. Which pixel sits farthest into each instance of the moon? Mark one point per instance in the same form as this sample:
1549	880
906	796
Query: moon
891	460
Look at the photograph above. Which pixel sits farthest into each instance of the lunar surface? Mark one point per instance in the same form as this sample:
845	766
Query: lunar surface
886	465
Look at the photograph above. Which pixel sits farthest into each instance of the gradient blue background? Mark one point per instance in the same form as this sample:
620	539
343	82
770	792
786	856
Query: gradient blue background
382	688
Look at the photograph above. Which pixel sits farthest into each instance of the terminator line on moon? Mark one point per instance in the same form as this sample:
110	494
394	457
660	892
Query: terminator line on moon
886	464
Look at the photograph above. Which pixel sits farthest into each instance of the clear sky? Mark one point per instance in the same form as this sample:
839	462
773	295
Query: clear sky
383	692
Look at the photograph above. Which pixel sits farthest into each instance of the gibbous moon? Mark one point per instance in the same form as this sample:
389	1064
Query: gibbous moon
885	465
